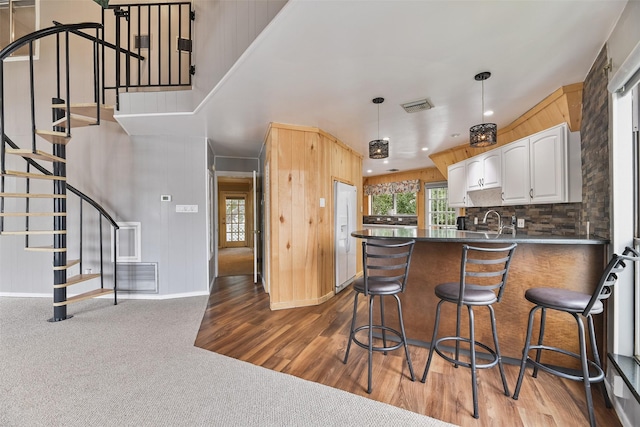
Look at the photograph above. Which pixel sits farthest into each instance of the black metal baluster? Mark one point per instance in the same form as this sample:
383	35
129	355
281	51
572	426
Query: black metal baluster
128	58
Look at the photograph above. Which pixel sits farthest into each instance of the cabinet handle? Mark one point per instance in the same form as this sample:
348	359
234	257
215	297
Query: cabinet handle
502	196
479	182
531	193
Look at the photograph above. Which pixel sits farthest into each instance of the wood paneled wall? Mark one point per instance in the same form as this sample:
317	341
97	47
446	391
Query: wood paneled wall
563	105
303	163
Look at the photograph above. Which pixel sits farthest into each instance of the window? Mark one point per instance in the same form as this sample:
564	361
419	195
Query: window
18	18
438	212
394	204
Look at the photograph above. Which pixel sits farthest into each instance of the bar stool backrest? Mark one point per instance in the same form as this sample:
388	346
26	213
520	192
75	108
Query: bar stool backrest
610	277
386	262
485	268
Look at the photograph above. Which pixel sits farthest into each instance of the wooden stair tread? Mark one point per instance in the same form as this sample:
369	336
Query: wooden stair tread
34	195
76	121
69	264
89	110
77	279
21	214
54	137
38	155
91	294
33	232
44	249
20	174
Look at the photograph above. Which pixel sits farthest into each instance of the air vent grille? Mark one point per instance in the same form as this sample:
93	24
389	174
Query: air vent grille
393	170
415	106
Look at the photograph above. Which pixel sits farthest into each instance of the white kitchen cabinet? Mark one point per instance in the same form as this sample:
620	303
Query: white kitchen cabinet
515	173
484	171
457	185
548	166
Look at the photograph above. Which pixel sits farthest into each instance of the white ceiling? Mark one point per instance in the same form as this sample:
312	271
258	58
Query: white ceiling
320	63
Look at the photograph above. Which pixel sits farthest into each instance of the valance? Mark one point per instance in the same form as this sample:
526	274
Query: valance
408	186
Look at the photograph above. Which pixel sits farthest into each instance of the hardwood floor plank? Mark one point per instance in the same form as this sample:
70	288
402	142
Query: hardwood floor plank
310	343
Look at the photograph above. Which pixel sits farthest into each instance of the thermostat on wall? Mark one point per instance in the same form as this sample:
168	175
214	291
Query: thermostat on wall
165	198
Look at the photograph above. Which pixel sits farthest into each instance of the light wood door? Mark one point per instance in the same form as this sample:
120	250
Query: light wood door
234	221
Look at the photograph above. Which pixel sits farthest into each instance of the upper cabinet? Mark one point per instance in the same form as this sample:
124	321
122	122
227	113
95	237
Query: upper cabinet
457	184
542	168
484	171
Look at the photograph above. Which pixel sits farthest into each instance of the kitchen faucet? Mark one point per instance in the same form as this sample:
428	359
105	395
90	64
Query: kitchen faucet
484	221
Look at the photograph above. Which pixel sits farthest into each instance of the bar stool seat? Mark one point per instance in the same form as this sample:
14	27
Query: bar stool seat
579	305
451	292
377	287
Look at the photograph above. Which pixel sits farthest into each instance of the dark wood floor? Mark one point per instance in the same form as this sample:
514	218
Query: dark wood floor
310	342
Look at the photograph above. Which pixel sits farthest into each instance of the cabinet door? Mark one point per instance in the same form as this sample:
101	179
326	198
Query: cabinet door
456	183
547	156
475	173
491	166
515	173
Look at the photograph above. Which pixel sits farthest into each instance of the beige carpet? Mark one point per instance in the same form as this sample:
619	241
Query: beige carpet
134	364
235	261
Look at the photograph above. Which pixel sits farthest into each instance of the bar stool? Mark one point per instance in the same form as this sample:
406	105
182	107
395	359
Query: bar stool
574	303
483	276
386	266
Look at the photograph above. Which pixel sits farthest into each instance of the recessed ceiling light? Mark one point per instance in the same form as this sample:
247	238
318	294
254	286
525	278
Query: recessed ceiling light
385	139
455	135
425	148
369	171
386	161
488	113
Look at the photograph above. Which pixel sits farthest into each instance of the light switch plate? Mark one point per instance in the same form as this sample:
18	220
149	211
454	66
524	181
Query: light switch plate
187	208
520	222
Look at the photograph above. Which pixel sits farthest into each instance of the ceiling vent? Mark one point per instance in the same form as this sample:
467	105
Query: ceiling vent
415	106
393	170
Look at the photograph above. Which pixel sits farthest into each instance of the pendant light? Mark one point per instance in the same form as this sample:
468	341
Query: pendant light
484	134
378	148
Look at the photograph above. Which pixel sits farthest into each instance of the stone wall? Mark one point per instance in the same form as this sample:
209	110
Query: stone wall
569	219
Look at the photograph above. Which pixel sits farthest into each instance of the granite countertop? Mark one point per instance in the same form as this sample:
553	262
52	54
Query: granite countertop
450	235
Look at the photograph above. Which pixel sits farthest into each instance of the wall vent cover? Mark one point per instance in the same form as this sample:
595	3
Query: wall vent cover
142	42
138	277
415	106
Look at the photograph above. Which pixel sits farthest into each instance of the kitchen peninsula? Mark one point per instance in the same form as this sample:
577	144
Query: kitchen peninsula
553	261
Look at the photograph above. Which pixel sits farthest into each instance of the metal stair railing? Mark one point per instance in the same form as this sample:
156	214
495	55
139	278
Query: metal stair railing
58	158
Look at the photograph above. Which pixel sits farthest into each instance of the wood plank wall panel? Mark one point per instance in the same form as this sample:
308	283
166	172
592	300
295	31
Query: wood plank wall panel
303	164
563	105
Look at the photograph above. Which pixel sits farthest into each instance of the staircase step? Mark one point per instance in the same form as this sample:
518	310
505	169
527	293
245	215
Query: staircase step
54	137
34	195
70	264
44	249
34	175
77	279
38	155
89	110
81	297
21	214
76	121
33	232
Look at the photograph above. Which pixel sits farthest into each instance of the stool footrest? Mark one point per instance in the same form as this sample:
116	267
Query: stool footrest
492	353
397	334
563	374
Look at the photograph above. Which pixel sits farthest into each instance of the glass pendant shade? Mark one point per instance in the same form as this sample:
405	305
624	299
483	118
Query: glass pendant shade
378	149
484	134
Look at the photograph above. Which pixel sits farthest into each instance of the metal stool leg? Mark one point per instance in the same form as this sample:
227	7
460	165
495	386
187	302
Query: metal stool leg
432	345
404	339
543	319
525	352
370	343
474	379
596	359
585	370
455	365
353	326
498	354
384	333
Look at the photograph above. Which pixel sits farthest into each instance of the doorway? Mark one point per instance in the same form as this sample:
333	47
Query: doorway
235	225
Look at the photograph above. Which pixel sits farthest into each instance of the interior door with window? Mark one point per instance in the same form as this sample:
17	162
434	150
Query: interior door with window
234	221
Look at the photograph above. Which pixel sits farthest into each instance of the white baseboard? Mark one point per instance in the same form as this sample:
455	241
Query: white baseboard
121	295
